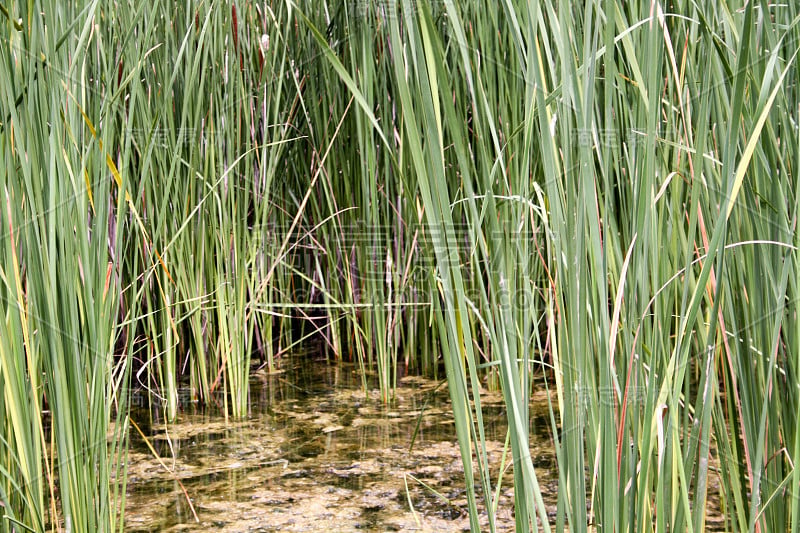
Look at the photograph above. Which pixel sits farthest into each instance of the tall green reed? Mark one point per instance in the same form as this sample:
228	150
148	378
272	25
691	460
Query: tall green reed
638	142
602	193
64	199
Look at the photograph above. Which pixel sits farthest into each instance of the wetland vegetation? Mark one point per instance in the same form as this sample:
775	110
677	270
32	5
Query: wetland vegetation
578	220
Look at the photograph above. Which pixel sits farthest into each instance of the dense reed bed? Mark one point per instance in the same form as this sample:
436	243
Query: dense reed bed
602	193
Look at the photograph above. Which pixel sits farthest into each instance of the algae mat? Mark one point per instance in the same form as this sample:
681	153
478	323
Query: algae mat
317	453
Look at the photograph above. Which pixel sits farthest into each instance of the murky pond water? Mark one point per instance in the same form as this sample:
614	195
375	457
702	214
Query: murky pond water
318	454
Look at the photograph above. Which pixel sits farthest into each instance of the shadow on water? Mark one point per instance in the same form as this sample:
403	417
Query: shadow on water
317	453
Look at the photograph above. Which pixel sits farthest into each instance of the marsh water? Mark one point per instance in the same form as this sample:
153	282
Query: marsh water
317	453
